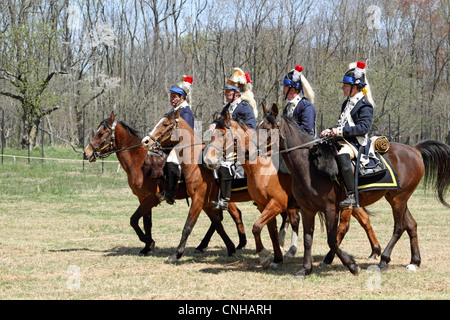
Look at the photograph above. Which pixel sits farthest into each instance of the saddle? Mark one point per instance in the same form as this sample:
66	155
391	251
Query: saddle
377	173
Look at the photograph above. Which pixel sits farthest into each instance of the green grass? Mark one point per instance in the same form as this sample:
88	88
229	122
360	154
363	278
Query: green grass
60	224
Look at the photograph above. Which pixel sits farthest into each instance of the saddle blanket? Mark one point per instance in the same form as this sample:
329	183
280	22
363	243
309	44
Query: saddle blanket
386	180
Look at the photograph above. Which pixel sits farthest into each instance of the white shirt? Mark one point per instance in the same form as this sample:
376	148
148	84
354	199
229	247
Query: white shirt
292	104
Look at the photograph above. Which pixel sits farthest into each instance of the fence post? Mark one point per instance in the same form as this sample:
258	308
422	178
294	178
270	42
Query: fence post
3	132
83	132
42	138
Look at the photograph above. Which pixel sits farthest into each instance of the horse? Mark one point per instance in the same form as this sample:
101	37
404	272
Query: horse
271	121
318	193
117	137
269	188
200	182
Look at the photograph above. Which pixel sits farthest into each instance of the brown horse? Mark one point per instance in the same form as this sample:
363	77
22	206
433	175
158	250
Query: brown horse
200	182
318	193
271	121
117	137
269	188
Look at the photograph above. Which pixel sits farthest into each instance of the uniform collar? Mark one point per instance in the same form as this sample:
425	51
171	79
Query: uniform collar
295	101
354	100
183	105
234	104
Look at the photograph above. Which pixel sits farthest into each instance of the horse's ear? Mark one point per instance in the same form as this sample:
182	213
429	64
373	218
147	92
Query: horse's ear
264	108
216	116
227	118
112	117
176	113
274	110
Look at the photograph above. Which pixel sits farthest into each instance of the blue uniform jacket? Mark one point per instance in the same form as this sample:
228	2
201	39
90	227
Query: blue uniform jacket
305	116
188	116
243	111
362	115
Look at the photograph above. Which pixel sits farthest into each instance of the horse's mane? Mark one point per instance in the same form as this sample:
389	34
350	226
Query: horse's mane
127	127
220	122
321	154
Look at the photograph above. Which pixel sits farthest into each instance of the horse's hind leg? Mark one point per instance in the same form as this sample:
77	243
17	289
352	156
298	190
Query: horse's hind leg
294	220
403	220
364	221
236	214
283	229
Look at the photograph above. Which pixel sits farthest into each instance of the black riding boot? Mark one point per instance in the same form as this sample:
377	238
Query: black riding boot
172	182
345	167
225	190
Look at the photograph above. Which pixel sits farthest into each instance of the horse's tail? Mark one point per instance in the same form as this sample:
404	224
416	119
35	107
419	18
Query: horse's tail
436	158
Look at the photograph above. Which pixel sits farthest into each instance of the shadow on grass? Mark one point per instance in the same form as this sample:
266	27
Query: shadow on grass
218	261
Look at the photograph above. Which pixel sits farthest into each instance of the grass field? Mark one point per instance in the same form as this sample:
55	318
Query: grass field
65	234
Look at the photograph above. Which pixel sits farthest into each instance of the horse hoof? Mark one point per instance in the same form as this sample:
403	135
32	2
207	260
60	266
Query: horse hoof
355	269
291	252
412	267
198	250
324	264
172	260
264	258
302	273
275	266
144	252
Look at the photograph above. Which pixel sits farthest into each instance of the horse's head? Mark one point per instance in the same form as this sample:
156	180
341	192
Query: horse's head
103	143
220	137
271	124
163	133
229	142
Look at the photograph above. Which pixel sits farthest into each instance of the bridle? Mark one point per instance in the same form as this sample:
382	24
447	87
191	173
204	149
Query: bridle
111	144
157	143
229	136
157	146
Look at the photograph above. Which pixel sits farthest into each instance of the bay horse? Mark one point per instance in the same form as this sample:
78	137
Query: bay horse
200	182
271	121
269	188
117	137
318	193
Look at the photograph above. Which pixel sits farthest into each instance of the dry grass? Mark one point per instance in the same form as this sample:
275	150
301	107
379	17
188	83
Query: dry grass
72	240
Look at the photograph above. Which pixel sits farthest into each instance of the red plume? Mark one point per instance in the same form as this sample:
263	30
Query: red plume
361	65
247	76
298	68
189	80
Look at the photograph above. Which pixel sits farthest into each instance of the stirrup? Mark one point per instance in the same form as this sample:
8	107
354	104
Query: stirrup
348	203
162	196
222	204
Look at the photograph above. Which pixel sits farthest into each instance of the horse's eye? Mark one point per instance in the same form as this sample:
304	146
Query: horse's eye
165	124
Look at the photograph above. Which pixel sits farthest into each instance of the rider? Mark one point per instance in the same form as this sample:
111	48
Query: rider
179	98
353	126
241	105
300	98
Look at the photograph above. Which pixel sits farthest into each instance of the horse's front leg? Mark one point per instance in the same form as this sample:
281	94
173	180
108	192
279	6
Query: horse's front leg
194	212
144	210
308	234
331	224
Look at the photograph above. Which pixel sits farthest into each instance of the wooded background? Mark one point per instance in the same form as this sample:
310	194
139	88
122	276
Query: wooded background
62	61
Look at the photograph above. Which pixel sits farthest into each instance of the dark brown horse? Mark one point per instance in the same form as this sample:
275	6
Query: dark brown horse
117	137
271	121
269	188
318	193
200	184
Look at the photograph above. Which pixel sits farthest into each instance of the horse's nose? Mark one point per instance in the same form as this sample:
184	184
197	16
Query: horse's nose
146	143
